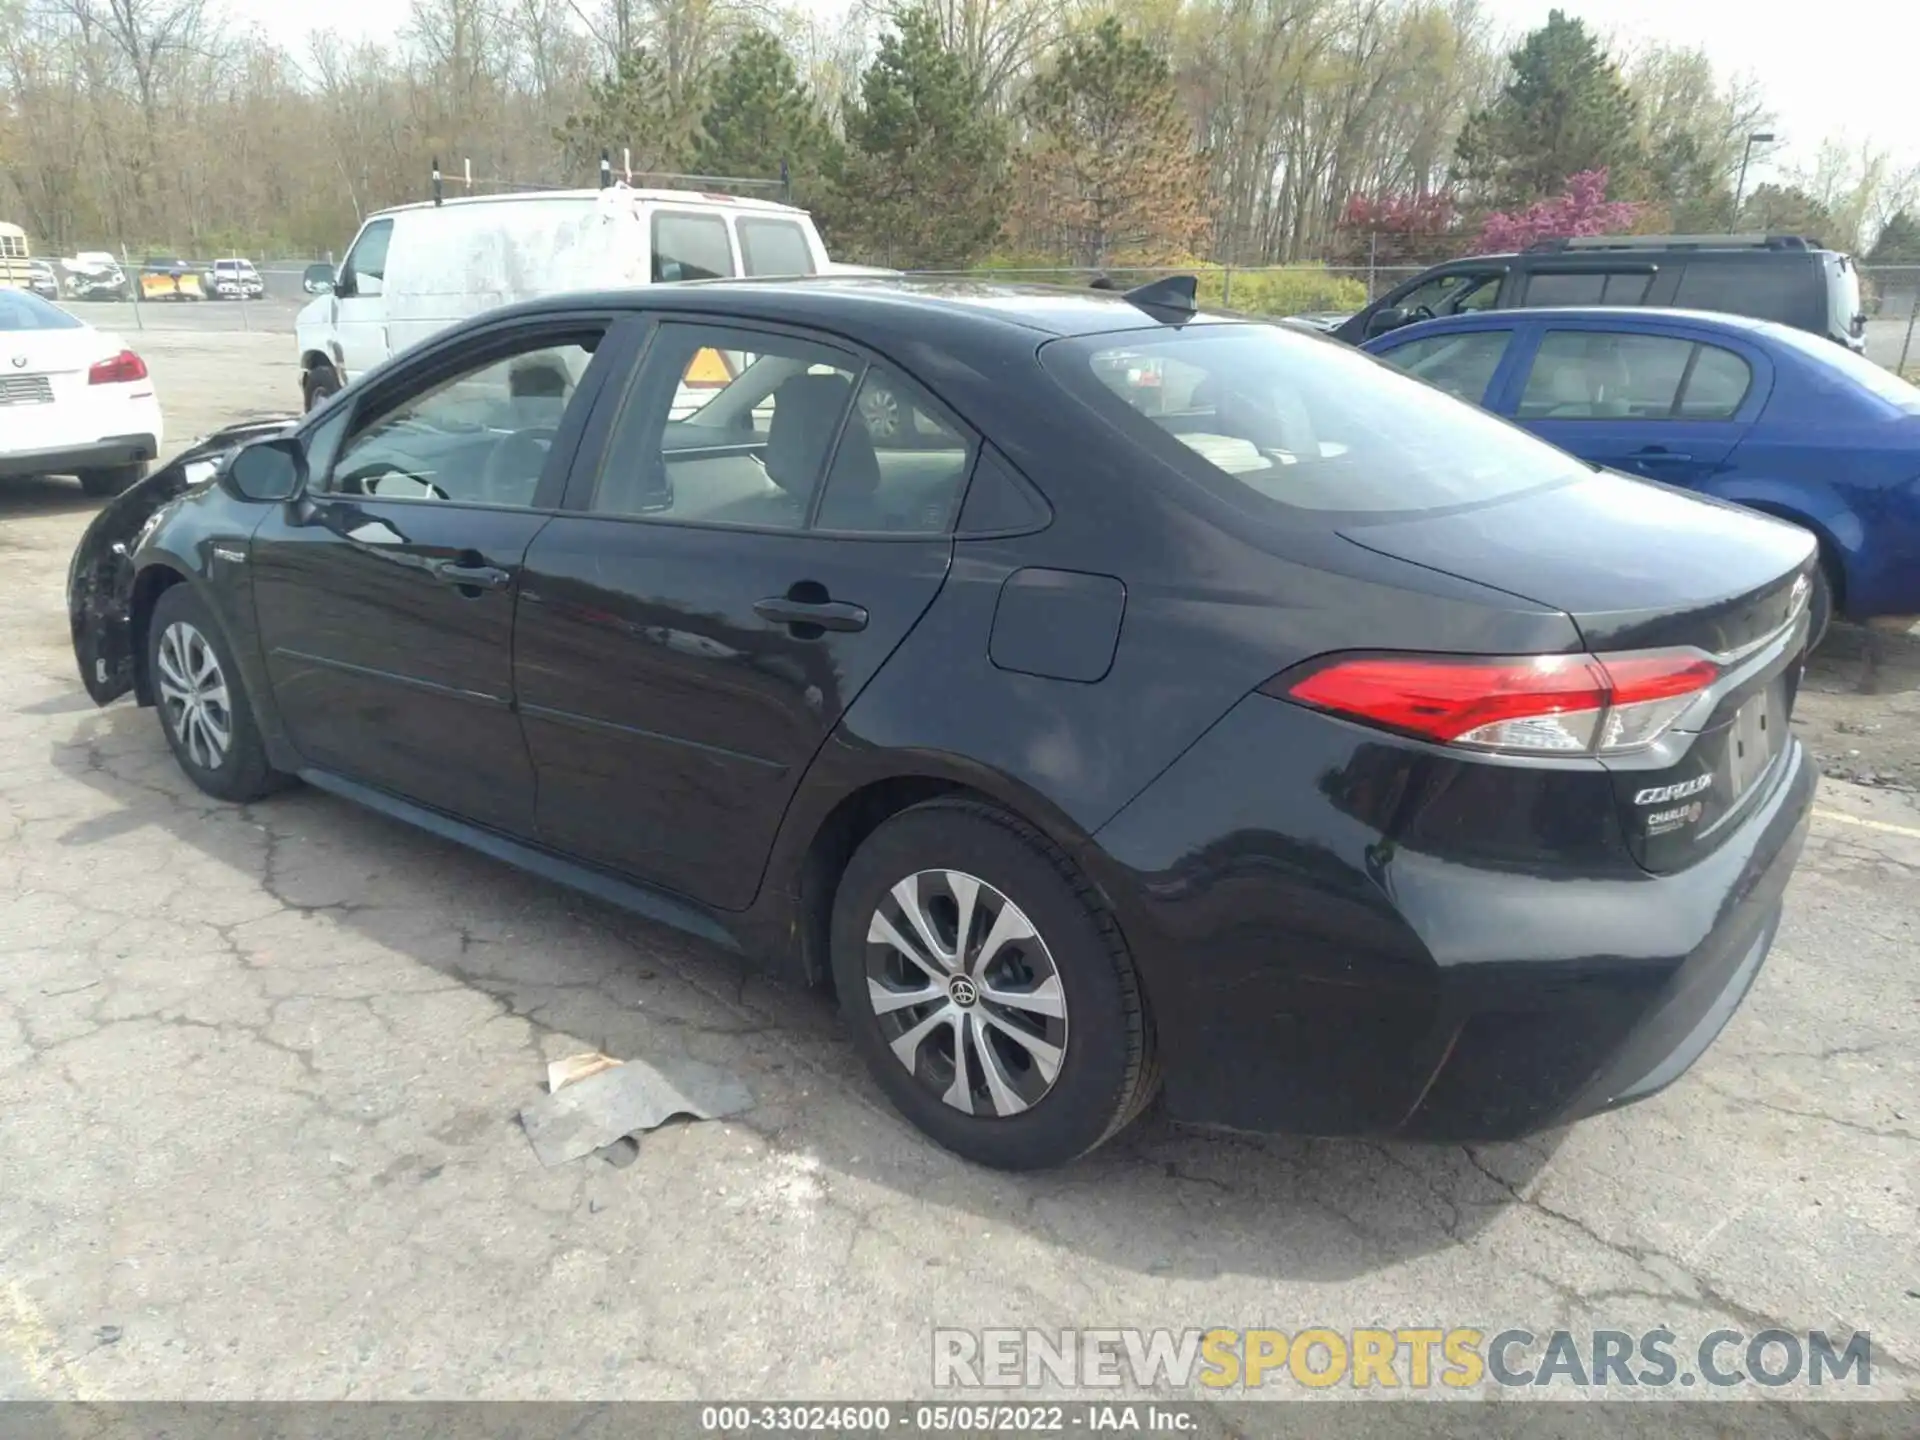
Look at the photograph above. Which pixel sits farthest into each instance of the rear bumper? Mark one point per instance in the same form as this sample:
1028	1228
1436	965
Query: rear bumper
102	454
1348	976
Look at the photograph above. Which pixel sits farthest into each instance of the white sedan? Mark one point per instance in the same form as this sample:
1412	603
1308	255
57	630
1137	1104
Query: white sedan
73	401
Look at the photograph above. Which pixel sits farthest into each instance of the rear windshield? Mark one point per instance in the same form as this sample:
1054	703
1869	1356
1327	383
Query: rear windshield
1274	420
24	310
1850	369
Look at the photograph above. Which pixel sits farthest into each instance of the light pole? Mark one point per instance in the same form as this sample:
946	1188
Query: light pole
1740	186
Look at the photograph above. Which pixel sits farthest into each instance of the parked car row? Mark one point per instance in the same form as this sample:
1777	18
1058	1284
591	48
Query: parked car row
98	275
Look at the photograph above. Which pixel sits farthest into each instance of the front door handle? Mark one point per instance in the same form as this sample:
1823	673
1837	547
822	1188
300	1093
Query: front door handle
821	614
471	577
1657	455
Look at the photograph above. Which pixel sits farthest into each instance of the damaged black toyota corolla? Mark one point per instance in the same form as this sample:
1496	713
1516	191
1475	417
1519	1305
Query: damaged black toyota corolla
1097	694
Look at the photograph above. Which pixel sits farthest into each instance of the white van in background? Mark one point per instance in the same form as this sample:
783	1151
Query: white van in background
414	270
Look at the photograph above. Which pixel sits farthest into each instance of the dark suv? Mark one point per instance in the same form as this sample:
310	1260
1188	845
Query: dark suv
1786	278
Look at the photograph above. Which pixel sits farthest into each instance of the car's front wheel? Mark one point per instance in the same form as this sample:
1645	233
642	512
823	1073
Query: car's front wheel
203	704
987	989
318	384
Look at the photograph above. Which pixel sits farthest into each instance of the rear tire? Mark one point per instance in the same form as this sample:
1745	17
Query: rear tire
1049	1020
204	709
112	480
318	384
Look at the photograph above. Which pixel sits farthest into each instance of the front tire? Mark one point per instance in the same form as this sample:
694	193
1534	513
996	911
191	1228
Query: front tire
989	992
204	709
319	383
112	480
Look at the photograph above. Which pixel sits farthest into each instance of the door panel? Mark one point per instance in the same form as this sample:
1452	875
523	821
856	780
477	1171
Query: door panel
385	669
668	718
385	596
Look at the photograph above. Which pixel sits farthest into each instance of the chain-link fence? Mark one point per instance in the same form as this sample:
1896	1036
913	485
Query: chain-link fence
1891	296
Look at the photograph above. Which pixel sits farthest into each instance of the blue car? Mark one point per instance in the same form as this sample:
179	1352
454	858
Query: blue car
1744	410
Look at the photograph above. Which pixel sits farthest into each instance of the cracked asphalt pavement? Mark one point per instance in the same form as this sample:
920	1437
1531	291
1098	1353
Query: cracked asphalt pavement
260	1067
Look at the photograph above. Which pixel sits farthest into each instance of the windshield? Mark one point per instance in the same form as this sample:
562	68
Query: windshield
1849	370
1268	417
24	310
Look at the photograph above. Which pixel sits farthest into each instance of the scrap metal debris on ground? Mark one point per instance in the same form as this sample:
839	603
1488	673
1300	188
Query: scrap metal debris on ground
595	1101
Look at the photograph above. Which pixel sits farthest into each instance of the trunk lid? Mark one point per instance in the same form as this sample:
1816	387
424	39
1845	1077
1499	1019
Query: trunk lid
1635	564
1640	566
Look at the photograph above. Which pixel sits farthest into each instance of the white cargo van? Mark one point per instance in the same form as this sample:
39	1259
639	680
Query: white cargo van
414	270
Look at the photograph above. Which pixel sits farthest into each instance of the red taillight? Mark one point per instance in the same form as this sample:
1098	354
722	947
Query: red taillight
119	370
1542	704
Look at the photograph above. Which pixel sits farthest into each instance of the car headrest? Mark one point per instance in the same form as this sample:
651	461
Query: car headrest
540	378
806	412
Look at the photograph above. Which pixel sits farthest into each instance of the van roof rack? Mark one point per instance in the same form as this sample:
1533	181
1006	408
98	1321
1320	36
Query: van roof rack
1581	243
609	172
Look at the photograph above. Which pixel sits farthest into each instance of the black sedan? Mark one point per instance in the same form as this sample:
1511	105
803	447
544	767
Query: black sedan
1173	700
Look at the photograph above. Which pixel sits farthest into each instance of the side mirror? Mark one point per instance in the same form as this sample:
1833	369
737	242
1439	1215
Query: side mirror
1390	318
266	470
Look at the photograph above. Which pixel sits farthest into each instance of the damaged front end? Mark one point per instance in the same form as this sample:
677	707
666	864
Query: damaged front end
100	578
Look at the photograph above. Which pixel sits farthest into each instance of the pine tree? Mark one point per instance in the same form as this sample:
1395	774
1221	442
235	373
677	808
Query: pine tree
1112	169
922	179
1898	242
761	115
628	110
1565	110
1786	210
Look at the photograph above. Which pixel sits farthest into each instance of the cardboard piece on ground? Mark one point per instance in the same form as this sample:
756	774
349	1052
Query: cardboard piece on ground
576	1067
621	1099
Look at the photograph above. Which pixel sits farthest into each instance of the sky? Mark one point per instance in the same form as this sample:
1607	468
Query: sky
1855	74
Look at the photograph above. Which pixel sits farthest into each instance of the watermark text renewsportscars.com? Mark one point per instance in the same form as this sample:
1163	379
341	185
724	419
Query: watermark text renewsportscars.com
1414	1357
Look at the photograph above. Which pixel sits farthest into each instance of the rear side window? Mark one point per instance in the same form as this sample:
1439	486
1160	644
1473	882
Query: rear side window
1596	375
1461	365
690	247
1586	287
1275	422
1765	289
774	247
1719	382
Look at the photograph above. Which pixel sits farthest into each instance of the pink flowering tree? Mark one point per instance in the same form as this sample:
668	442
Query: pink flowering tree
1583	210
1398	229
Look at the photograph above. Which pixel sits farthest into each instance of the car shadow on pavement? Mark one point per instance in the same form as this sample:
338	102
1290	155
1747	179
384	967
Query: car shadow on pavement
1161	1199
25	497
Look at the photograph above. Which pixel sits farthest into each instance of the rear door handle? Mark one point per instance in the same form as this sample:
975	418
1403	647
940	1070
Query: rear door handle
1655	455
471	577
826	614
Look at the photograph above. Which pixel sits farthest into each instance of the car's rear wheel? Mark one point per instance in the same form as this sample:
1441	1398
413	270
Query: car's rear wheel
987	989
112	480
318	383
203	704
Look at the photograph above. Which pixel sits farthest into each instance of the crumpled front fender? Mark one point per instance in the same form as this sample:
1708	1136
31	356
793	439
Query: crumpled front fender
100	577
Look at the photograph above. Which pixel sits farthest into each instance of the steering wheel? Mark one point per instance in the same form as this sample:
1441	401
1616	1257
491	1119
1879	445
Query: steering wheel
1420	312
